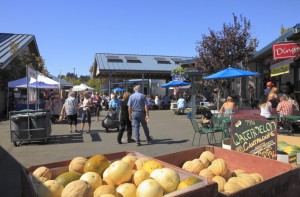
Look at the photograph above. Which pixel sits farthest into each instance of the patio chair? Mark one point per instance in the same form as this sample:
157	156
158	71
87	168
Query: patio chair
199	129
221	124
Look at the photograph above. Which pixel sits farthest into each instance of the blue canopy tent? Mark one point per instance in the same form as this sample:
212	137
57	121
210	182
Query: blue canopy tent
175	84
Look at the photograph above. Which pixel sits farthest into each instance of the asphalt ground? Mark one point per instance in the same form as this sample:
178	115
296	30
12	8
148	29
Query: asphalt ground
170	133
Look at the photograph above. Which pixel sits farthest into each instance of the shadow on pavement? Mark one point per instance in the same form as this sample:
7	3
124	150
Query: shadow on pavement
10	175
168	141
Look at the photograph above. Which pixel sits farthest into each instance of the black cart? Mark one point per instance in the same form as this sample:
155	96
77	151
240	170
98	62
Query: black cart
29	125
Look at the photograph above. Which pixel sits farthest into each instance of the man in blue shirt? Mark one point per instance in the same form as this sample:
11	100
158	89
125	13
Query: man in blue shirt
139	113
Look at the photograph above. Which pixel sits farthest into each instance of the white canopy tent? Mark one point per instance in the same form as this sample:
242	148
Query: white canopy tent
22	83
81	87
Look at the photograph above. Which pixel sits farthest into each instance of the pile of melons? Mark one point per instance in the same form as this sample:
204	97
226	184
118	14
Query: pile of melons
215	169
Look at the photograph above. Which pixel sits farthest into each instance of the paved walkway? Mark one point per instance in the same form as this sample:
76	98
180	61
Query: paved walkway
171	133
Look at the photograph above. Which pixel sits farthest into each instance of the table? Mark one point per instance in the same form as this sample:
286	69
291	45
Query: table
285	124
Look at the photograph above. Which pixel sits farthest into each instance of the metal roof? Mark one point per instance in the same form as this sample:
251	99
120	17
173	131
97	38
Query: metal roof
23	40
132	65
63	83
290	35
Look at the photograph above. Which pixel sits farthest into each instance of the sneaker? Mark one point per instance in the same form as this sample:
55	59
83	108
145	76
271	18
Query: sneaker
149	140
131	141
138	144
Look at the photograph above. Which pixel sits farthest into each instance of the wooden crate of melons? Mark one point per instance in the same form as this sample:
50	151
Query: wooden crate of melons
239	174
36	176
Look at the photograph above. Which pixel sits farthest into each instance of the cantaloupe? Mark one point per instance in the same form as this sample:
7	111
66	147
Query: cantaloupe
50	188
42	172
77	164
78	188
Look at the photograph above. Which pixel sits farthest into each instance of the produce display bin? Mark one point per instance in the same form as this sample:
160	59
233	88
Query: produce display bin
29	125
281	179
292	140
204	188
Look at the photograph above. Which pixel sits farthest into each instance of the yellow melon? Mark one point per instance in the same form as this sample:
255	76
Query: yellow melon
151	165
50	188
92	178
42	172
78	188
77	164
167	178
97	163
105	189
126	190
149	188
140	162
130	159
119	172
188	182
139	176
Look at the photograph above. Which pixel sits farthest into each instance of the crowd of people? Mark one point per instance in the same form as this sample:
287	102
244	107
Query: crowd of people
131	109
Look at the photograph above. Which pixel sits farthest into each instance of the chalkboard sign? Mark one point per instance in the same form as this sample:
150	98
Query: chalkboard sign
254	135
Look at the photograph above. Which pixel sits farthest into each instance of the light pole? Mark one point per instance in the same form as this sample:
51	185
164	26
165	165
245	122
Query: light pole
74	74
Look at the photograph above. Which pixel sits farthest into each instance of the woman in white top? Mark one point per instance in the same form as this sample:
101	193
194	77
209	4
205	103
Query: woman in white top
86	108
265	108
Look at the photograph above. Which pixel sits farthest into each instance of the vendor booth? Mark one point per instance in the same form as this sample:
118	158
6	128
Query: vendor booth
43	88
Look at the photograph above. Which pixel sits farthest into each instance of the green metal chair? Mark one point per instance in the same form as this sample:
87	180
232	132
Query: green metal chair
199	129
221	125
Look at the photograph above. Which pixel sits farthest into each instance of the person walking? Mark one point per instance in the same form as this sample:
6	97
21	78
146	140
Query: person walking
86	111
97	104
124	119
139	113
70	108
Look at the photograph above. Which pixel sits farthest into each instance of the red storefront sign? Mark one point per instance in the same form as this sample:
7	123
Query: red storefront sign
285	50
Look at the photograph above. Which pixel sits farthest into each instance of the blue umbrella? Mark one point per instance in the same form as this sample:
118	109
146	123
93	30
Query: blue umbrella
175	84
231	73
118	89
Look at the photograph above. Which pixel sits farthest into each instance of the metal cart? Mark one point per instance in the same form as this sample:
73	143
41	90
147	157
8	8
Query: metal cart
29	125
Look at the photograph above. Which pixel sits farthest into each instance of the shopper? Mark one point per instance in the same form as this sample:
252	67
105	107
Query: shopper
124	119
70	109
228	108
285	107
97	104
86	111
139	113
265	108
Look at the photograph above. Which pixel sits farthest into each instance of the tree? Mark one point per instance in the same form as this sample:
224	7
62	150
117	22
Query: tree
229	47
17	67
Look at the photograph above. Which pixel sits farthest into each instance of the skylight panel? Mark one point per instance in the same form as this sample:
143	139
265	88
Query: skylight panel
114	58
162	60
176	60
132	59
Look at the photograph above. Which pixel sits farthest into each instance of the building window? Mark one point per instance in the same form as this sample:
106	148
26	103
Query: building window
162	60
176	60
114	58
132	59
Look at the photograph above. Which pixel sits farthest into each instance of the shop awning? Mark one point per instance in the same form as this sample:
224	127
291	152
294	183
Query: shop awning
281	68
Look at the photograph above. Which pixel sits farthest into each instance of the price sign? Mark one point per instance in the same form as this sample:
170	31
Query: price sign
254	135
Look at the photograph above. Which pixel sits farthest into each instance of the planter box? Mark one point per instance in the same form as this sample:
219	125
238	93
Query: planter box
204	188
280	179
292	141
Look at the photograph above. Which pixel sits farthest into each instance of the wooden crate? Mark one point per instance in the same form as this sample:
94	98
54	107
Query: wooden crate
281	179
205	188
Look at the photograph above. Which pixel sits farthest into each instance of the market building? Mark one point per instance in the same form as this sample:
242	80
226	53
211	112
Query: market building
155	69
279	63
24	42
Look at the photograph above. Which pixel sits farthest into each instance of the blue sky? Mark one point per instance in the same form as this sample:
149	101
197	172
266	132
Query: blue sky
69	33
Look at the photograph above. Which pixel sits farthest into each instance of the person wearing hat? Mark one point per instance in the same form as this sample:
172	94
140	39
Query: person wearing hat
268	89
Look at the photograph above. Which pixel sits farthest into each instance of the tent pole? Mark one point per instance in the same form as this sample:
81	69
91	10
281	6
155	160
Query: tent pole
7	102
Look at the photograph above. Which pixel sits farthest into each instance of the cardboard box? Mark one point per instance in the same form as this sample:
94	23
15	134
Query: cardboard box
280	179
204	188
292	141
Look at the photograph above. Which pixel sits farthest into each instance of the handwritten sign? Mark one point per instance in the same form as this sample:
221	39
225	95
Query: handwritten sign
254	135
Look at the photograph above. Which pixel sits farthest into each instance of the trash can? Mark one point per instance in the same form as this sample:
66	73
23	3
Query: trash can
189	115
19	126
39	120
19	122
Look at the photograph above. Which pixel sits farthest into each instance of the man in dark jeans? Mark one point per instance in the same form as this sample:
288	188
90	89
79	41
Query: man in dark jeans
124	119
139	113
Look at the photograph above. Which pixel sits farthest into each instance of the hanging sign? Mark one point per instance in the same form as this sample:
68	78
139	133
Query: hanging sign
285	50
254	135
